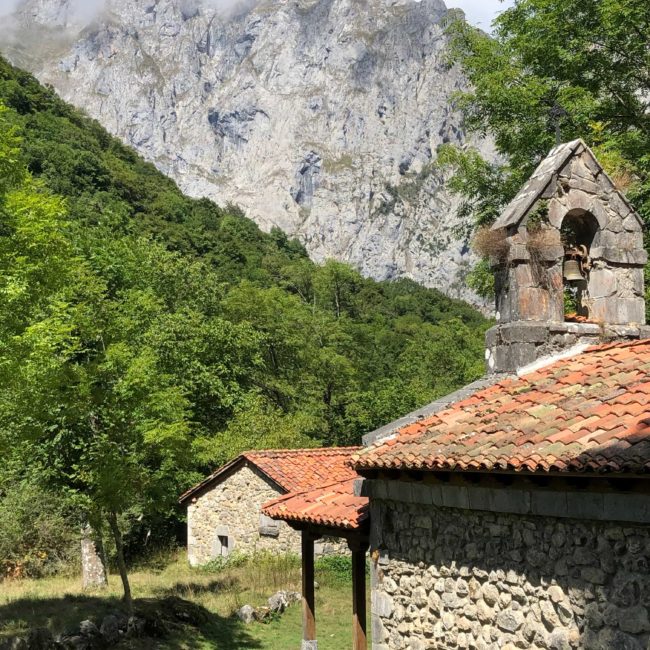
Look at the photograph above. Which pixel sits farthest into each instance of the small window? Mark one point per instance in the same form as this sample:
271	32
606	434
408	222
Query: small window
224	545
269	527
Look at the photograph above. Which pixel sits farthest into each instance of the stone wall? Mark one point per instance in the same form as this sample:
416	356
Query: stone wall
453	578
512	346
232	508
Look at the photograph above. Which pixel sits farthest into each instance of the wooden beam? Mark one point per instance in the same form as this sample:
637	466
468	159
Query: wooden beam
308	602
359	624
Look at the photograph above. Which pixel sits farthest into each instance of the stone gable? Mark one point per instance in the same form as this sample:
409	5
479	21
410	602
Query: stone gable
232	509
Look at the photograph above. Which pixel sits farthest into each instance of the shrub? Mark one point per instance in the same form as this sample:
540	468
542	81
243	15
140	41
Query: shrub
39	535
491	244
335	569
219	564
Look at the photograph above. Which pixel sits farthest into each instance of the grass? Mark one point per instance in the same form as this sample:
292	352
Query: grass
60	604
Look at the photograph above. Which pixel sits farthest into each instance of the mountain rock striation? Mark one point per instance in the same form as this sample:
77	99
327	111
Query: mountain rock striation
321	117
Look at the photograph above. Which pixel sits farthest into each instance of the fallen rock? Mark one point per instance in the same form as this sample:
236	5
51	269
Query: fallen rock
122	619
15	643
77	641
110	630
263	614
246	614
135	627
40	638
280	600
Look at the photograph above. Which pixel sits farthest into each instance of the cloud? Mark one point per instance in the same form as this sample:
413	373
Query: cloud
78	11
227	7
85	11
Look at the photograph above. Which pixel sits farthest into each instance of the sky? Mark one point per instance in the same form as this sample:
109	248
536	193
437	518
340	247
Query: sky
479	12
6	6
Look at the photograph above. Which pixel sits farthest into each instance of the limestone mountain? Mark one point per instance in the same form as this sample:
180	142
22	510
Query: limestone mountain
319	116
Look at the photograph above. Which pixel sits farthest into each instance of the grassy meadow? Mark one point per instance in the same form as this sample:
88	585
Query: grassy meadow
60	604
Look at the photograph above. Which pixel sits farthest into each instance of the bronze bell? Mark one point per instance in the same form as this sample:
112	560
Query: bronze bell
572	271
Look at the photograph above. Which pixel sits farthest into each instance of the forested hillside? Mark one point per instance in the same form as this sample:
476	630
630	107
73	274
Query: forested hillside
146	337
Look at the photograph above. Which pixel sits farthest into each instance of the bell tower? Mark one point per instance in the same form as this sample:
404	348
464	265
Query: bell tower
568	259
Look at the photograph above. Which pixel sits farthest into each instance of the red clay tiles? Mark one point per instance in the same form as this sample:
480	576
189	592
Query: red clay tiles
589	413
293	470
333	505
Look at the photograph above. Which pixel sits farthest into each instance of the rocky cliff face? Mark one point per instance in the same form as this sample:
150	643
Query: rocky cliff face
321	117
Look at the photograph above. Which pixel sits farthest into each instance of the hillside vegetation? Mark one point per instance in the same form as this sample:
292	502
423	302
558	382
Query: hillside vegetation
146	337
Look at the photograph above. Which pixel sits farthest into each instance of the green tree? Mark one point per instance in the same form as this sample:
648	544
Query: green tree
85	375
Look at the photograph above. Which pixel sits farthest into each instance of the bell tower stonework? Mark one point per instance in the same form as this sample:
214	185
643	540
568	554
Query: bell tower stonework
568	259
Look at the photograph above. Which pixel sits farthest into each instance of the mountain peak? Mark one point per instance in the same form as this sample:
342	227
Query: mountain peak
322	117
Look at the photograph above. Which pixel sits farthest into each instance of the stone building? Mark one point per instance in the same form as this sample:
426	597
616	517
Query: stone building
515	513
224	510
518	517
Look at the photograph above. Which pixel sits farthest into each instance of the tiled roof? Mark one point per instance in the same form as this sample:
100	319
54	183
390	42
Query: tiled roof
439	404
293	470
587	414
333	506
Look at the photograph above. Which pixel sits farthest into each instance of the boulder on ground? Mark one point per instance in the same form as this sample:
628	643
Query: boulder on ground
15	643
40	638
280	600
135	627
77	641
246	614
263	614
88	628
110	630
122	619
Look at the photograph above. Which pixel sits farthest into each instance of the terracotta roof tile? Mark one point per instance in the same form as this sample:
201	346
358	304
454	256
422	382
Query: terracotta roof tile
293	470
297	470
333	505
588	413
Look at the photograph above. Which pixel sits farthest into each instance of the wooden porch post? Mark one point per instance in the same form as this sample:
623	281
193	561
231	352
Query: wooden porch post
359	636
309	641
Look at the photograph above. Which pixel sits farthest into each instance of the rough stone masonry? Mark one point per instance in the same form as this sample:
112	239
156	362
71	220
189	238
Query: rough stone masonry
451	578
230	512
569	195
232	509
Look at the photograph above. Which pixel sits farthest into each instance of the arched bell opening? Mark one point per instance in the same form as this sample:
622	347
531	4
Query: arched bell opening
578	231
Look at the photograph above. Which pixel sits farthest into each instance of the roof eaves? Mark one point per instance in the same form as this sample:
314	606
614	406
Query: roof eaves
224	472
209	480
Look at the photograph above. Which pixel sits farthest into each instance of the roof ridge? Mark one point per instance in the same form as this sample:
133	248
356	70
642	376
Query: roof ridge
589	413
300	450
617	344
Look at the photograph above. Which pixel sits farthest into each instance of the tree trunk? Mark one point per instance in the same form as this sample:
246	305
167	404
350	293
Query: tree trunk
93	569
117	536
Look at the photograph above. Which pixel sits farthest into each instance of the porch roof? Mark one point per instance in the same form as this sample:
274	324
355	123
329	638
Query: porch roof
333	506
